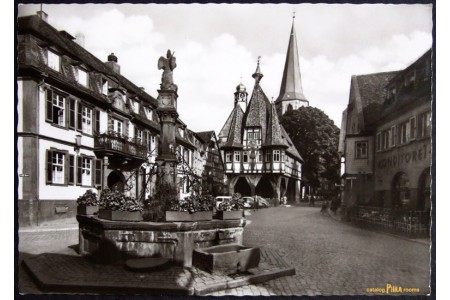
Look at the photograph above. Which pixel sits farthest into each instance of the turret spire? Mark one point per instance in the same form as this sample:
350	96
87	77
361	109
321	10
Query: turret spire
258	75
291	90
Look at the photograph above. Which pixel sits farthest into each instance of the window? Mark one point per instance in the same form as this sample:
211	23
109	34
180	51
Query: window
385	139
60	167
424	125
403	133
55	108
393	136
138	136
86	165
276	155
245	156
86	120
105	87
237	156
259	156
89	171
136	106
118	126
361	149
412	128
82	77
268	156
253	134
53	61
228	156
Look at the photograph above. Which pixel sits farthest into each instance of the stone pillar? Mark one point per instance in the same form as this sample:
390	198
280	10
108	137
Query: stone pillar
105	173
168	115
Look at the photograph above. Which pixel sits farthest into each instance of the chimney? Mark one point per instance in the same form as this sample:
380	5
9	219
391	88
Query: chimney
43	15
112	63
79	39
142	88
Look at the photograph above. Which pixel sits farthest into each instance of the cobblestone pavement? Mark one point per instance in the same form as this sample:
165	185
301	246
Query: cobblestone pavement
330	257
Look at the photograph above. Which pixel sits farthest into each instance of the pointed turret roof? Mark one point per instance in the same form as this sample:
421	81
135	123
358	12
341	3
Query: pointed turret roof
235	129
274	137
291	84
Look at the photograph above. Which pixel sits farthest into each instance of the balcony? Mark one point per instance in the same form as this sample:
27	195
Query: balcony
114	144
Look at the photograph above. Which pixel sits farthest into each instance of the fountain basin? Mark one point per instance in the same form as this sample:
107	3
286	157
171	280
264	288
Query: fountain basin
226	259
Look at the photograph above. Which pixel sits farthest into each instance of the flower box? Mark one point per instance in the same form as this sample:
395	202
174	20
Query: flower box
229	215
87	210
120	215
185	216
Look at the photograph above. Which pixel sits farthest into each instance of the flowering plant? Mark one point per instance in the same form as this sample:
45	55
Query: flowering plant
193	203
88	199
115	200
235	203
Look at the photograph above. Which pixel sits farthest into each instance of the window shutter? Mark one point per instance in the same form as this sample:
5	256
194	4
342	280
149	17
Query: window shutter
79	162
71	113
126	126
144	138
49	106
97	121
49	166
93	171
71	169
79	108
66	168
110	124
97	174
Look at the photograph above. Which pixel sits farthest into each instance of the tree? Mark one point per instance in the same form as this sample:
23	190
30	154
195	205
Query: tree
316	138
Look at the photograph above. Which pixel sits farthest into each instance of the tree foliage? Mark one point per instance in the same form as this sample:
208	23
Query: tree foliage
316	138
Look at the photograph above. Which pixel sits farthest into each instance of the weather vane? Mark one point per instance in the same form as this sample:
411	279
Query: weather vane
293	14
259	58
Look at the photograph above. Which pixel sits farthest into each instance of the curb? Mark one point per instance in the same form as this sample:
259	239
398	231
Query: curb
27	230
378	231
254	279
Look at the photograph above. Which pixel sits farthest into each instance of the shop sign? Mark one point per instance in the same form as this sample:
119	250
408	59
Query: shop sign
403	158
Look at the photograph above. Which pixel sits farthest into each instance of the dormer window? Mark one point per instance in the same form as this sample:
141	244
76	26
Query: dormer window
181	131
105	87
136	106
410	78
53	60
391	93
82	77
148	112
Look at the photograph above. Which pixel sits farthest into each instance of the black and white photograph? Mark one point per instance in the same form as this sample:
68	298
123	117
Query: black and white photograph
225	149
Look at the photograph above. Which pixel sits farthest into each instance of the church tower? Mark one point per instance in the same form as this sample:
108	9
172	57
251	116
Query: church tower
291	91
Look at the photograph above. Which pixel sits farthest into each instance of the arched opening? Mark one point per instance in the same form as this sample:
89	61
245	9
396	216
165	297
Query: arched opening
289	107
242	187
402	195
264	188
290	193
116	181
424	191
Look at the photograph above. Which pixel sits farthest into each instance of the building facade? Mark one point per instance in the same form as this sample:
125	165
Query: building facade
260	159
386	140
82	125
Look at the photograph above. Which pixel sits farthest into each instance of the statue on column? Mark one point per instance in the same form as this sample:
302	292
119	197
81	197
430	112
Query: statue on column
167	64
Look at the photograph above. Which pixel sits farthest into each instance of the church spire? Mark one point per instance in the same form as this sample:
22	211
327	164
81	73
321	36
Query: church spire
291	90
258	75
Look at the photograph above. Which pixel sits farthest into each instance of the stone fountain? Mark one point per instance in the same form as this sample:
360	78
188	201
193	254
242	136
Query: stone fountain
117	241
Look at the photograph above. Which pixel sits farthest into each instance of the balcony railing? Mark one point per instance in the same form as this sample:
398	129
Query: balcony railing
115	143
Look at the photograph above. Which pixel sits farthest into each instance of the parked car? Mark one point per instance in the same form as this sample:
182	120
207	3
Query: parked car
219	200
250	202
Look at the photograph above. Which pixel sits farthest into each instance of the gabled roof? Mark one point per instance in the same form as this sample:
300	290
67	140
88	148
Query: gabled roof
369	94
226	127
205	136
257	110
234	138
291	84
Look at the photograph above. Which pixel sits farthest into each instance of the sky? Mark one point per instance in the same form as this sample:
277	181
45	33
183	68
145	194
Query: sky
218	44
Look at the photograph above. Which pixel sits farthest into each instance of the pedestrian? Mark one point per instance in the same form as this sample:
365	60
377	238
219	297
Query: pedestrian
313	198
